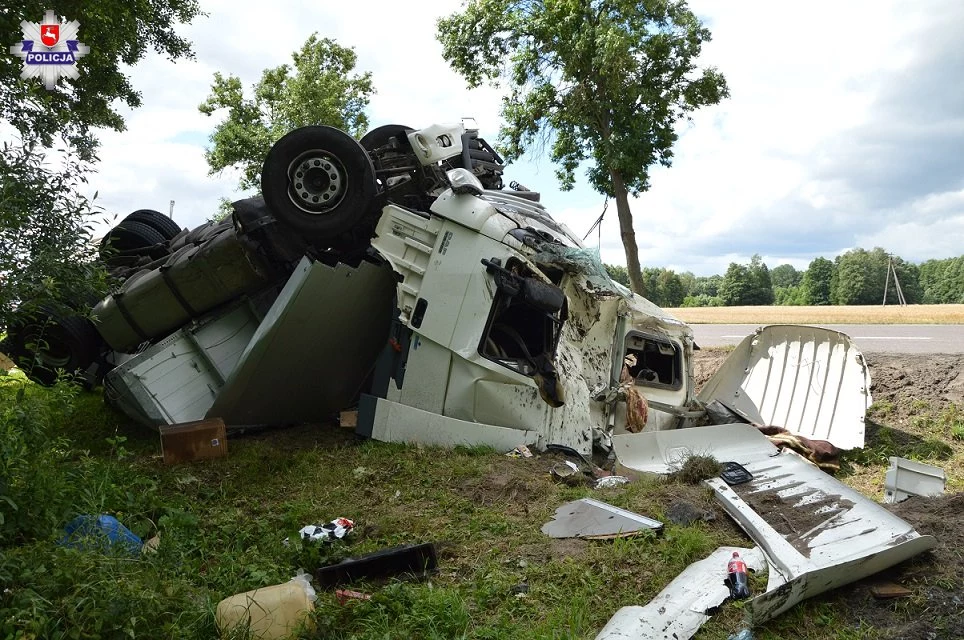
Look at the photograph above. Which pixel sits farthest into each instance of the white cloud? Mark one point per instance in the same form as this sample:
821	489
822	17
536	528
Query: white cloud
806	158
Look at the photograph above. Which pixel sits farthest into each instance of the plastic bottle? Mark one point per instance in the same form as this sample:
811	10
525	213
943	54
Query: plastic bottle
269	613
738	581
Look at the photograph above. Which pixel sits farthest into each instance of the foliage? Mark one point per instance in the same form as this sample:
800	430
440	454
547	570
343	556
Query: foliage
707	285
702	300
47	254
662	287
785	276
736	285
318	88
942	281
618	273
817	282
119	34
603	81
863	276
761	287
671	291
32	485
793	295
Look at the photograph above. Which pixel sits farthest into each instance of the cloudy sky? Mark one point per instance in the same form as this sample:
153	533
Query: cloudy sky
845	125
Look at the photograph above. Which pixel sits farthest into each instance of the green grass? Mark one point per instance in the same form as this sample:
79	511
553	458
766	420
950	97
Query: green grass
222	522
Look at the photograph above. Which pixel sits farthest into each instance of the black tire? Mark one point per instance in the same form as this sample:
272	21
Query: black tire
157	221
319	182
380	136
131	235
45	344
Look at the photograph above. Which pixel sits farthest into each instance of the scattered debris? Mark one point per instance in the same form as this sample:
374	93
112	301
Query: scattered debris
521	451
746	634
595	520
684	513
820	452
334	530
817	533
680	609
100	532
345	595
906	478
348	419
196	440
608	482
269	613
418	560
735	473
567	471
520	590
889	591
736	578
152	545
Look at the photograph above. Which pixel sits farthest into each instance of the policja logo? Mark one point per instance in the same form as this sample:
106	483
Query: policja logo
50	50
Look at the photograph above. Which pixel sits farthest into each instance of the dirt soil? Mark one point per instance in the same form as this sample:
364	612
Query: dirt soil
935	609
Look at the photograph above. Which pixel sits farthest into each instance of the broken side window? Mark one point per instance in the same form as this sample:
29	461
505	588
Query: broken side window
654	362
525	321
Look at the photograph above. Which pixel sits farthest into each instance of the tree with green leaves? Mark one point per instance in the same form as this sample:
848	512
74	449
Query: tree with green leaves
618	273
863	276
119	33
737	285
817	282
45	234
671	291
319	87
761	286
942	281
785	275
598	81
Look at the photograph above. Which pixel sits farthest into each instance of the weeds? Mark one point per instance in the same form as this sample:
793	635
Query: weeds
697	468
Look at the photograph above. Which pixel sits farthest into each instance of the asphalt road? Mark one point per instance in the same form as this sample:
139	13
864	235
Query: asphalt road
881	338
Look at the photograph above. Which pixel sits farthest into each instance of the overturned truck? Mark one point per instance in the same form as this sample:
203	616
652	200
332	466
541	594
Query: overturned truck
399	275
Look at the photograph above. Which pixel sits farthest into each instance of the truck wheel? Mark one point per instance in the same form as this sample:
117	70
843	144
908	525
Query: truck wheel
130	235
380	136
45	344
318	181
157	221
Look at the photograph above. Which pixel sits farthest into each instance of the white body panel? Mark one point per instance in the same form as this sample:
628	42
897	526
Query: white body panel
853	537
811	381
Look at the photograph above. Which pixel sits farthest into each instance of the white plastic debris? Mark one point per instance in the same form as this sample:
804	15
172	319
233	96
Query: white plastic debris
334	530
608	482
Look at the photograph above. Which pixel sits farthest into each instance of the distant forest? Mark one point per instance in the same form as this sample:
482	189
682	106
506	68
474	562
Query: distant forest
853	278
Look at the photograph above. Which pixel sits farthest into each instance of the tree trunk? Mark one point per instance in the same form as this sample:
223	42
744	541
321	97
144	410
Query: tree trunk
627	233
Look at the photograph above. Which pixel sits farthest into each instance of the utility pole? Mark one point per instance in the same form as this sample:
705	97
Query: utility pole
900	293
170	212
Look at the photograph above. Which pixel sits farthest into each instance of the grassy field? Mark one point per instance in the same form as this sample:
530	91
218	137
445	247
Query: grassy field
911	314
221	525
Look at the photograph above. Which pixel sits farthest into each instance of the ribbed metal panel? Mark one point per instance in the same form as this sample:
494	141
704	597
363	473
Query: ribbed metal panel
808	380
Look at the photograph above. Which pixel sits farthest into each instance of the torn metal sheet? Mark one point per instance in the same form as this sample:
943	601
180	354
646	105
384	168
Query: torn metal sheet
906	478
685	604
595	520
811	381
818	534
313	350
661	452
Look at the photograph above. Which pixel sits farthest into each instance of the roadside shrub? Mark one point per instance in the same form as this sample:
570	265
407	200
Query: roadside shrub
34	487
